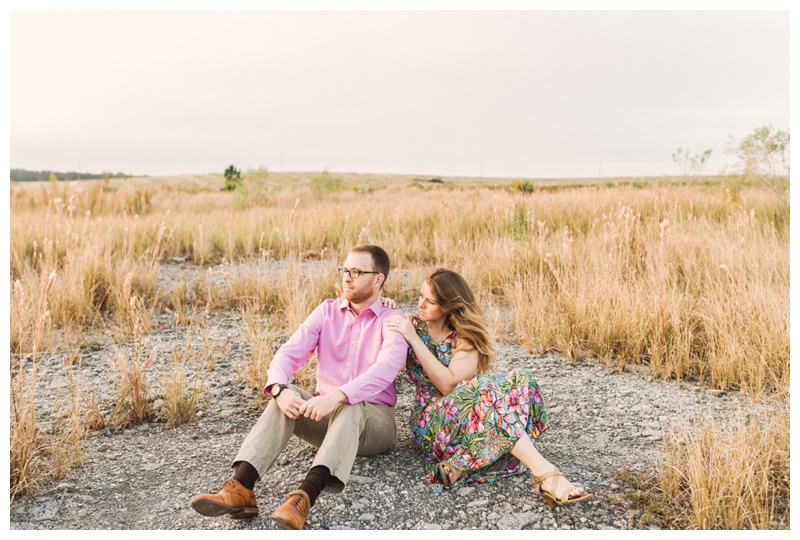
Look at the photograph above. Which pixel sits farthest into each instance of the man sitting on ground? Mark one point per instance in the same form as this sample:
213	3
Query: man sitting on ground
357	363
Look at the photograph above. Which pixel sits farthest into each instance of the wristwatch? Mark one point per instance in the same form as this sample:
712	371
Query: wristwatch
277	389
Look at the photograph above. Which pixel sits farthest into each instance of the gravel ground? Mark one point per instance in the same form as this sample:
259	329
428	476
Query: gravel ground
602	422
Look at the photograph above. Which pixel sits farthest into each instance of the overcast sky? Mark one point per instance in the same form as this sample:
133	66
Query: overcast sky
516	94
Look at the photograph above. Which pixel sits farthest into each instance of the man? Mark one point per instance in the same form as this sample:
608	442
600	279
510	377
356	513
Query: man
357	363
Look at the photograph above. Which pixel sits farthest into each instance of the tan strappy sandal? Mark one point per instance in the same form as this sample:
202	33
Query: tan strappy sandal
449	474
550	498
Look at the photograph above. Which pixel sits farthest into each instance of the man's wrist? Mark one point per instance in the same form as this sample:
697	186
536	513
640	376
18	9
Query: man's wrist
277	388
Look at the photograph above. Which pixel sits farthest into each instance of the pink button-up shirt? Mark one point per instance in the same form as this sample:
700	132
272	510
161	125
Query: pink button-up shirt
355	353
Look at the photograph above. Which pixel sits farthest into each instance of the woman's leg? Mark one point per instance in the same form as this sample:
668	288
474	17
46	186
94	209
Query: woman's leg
526	452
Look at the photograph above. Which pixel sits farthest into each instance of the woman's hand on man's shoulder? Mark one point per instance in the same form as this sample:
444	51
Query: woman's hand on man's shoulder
389	302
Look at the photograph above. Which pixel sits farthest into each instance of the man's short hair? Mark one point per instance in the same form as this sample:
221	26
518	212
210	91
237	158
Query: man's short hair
380	259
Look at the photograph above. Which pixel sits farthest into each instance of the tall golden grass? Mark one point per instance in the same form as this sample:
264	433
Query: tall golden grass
691	279
727	474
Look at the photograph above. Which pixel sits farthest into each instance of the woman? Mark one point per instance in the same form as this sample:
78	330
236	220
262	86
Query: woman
472	428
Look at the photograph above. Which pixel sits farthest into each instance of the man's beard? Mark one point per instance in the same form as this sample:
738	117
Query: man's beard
356	296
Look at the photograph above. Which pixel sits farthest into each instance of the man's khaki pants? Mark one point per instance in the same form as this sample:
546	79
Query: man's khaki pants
363	429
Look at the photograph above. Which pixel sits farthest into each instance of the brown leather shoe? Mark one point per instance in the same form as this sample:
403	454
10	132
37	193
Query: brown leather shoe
293	512
232	498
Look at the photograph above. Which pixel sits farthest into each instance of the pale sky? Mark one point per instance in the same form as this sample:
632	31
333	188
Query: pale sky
509	94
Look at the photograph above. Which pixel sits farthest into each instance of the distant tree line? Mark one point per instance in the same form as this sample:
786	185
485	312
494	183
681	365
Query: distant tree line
23	175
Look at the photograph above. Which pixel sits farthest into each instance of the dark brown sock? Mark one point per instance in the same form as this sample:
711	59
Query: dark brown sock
246	474
315	482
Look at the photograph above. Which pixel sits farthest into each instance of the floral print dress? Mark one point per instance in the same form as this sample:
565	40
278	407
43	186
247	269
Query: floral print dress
476	425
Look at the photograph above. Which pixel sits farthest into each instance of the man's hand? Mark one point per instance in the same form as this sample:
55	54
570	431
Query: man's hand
319	407
290	402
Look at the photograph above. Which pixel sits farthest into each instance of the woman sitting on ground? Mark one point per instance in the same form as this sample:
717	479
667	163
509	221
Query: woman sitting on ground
470	427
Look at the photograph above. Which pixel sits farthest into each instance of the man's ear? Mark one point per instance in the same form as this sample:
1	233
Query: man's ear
381	279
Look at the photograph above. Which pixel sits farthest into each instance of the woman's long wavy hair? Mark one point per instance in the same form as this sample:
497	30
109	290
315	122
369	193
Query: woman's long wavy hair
464	314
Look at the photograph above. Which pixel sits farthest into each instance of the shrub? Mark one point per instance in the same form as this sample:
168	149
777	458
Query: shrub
324	181
524	186
691	165
233	178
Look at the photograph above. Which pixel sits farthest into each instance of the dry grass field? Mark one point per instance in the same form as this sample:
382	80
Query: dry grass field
690	278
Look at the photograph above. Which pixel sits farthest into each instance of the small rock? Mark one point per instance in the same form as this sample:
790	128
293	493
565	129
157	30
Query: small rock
43	509
464	491
509	523
361	479
367	517
476	504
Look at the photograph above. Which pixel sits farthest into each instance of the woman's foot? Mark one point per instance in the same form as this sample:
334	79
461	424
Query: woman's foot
556	489
449	474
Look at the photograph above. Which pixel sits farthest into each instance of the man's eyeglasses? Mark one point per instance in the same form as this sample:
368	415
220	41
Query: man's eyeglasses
354	273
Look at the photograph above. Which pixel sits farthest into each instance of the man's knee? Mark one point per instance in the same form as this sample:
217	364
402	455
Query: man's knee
380	432
345	412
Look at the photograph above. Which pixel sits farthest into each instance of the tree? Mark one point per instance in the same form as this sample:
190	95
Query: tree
690	165
765	152
233	178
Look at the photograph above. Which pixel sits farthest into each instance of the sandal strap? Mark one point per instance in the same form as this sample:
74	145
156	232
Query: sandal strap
540	479
451	473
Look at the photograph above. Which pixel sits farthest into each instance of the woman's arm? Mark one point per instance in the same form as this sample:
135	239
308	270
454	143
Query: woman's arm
463	364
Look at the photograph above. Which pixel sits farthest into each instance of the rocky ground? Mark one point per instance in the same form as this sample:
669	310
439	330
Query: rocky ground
603	423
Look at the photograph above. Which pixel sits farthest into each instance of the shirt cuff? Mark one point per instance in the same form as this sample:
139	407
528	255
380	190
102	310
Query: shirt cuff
270	384
350	392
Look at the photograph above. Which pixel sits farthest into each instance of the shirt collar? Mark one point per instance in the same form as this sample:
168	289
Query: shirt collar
377	306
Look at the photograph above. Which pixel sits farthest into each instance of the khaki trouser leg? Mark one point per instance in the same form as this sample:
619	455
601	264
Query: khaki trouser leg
362	429
269	436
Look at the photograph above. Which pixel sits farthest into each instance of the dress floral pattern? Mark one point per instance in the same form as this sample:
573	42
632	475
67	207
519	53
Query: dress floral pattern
476	425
